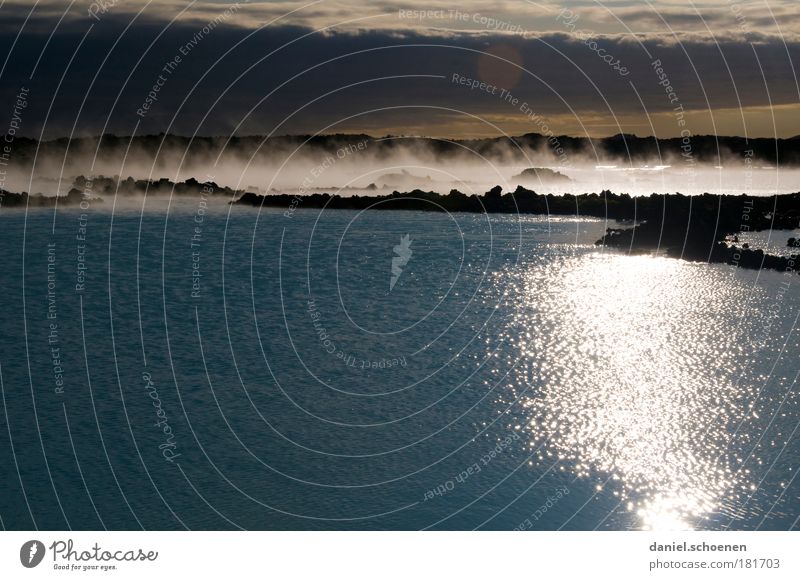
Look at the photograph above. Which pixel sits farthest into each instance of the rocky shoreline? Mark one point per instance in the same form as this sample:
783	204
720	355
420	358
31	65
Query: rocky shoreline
26	200
700	228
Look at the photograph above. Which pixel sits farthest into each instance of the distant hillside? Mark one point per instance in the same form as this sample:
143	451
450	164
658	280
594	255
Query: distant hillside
619	148
542	175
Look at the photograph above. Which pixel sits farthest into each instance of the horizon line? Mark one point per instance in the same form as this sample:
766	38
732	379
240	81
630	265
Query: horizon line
402	136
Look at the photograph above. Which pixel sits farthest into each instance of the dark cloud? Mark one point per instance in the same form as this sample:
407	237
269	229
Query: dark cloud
254	81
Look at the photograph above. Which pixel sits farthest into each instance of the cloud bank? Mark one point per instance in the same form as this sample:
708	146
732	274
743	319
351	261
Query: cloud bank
286	67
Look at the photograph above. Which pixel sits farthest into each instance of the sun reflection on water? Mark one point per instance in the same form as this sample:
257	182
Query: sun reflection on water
638	380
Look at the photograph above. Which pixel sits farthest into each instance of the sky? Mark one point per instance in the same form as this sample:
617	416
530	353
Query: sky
459	70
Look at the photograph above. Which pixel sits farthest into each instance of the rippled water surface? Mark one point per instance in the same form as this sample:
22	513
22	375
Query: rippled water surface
225	367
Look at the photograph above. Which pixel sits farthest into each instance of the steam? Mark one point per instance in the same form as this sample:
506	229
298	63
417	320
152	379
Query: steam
362	165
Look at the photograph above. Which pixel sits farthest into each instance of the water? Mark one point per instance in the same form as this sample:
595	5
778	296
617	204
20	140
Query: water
514	377
772	242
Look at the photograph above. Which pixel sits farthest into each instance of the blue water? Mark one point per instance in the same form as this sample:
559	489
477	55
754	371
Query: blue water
514	377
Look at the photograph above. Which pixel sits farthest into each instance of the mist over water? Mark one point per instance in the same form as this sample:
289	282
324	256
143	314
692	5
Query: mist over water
362	165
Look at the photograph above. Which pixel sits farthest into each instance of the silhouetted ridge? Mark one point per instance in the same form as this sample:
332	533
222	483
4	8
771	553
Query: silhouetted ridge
617	148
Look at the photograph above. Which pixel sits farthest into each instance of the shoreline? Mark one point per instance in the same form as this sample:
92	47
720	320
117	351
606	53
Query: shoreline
699	228
693	228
